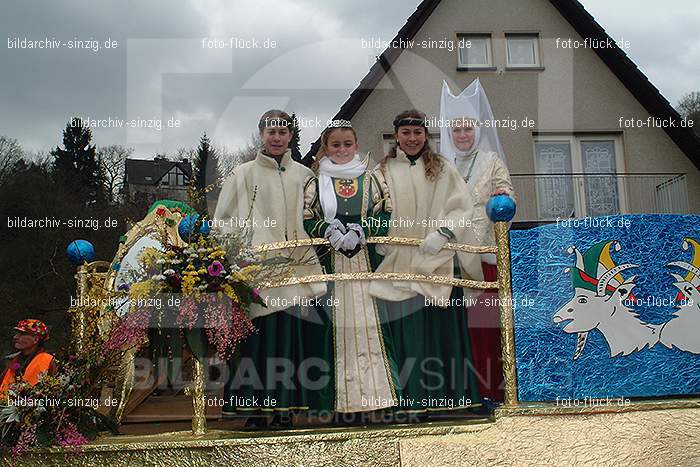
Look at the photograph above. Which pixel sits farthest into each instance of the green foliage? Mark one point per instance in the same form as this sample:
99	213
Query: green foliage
204	174
40	280
294	143
76	164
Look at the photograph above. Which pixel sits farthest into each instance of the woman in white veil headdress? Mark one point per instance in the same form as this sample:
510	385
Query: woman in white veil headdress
468	138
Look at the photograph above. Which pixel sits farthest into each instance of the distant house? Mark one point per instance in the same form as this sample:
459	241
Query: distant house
159	178
578	158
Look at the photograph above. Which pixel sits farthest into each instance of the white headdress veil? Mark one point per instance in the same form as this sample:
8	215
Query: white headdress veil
471	104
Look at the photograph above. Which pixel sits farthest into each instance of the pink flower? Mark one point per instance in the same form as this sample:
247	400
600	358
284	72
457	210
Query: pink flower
131	331
226	326
70	436
215	269
26	440
187	314
256	293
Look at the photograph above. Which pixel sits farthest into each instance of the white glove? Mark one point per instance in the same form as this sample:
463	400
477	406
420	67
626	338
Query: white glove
350	241
334	233
335	224
433	243
357	228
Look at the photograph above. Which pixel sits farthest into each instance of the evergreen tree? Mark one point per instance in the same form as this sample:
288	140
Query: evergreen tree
294	143
203	174
76	164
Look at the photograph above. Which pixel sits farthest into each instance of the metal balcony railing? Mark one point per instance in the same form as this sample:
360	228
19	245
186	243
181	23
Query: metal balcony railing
546	197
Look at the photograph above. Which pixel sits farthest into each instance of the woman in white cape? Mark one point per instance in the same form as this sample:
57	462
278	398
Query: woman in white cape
470	141
427	321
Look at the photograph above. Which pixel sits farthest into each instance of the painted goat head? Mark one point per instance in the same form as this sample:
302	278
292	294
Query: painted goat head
600	293
683	330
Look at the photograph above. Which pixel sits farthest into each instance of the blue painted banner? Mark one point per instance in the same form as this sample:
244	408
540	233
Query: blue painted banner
607	307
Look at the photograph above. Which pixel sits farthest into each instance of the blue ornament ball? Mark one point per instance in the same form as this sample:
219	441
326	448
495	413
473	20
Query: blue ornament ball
80	251
187	225
500	208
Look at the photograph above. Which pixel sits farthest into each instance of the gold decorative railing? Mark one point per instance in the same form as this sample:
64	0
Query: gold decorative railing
503	284
82	280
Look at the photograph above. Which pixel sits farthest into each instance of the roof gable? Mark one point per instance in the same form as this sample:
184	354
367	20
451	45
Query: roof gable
150	172
585	25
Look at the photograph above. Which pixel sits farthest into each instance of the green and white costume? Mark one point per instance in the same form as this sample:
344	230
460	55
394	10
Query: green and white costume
365	372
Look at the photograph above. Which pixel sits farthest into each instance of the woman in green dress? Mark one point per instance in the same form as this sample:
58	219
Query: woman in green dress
352	204
425	321
286	366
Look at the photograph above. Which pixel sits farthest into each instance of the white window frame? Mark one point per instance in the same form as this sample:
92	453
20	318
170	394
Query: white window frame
535	45
579	189
175	174
489	50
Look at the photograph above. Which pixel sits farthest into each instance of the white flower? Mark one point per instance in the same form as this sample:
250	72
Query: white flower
158	277
160	261
168	272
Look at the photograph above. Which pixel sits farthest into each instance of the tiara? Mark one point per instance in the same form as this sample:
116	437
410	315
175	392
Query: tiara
339	124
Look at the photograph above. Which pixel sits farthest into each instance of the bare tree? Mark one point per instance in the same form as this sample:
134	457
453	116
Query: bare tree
41	158
10	153
689	107
112	161
182	154
226	161
229	160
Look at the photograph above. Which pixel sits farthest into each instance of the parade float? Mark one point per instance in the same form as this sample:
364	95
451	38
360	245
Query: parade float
600	326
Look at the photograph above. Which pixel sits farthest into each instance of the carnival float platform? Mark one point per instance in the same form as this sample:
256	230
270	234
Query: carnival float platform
558	409
649	433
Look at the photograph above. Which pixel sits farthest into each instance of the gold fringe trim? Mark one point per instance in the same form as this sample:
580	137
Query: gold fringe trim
389	276
379	240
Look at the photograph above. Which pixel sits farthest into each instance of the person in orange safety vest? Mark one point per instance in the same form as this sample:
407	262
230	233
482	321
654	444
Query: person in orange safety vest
30	361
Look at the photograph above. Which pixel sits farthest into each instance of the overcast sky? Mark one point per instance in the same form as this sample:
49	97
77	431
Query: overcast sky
160	69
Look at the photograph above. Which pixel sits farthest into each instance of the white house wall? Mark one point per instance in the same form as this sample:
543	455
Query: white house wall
576	91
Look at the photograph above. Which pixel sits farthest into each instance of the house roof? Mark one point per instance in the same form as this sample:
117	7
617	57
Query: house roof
138	169
586	26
